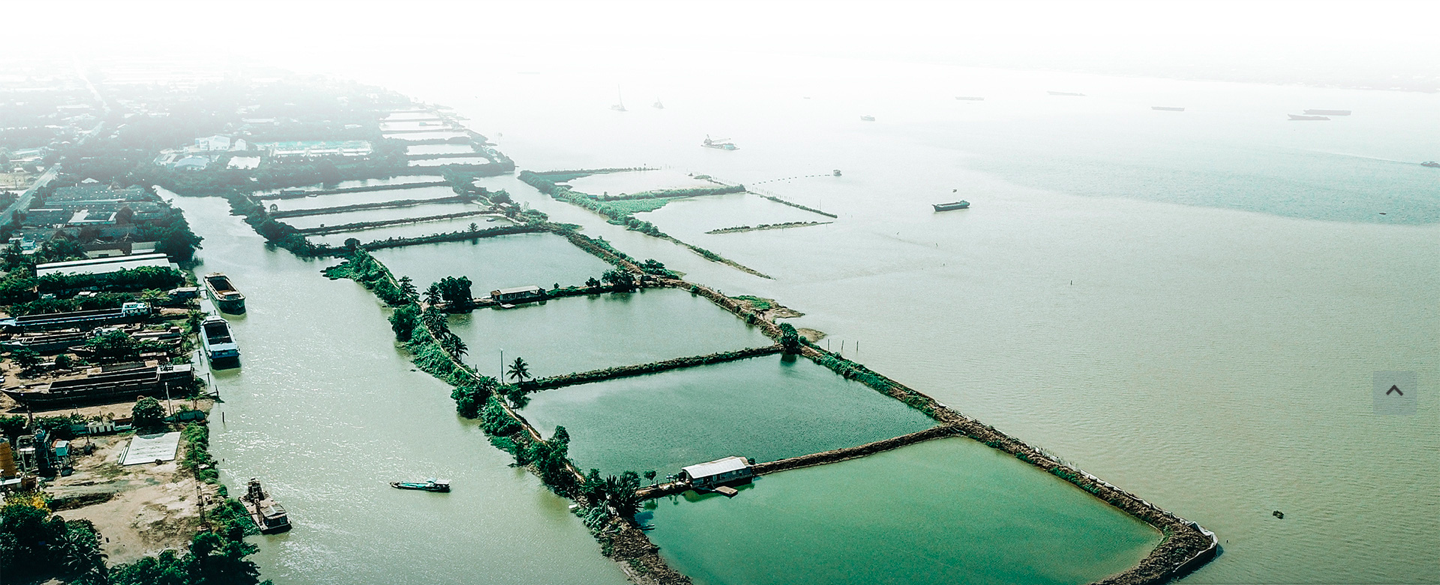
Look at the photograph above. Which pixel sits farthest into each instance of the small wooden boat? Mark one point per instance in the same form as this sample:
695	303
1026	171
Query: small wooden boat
429	485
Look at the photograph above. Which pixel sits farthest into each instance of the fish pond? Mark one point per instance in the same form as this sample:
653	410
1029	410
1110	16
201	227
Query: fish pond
399	180
366	215
944	511
689	219
497	262
412	230
414	149
637	182
457	160
339	199
765	408
576	334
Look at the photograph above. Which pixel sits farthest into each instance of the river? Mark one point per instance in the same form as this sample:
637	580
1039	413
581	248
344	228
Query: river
326	411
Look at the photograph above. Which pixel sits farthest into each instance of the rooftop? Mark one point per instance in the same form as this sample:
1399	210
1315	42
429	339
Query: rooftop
102	265
717	467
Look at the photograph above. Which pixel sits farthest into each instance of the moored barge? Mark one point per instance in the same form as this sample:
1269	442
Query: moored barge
223	292
216	337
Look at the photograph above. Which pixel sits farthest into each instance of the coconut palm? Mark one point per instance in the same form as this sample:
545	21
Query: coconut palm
453	344
407	286
519	370
432	295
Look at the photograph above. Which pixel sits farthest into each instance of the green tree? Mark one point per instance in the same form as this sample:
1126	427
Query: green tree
592	282
453	345
403	322
432	295
650	476
114	345
470	397
789	338
517	396
622	280
148	415
455	291
407	287
26	358
519	370
64	362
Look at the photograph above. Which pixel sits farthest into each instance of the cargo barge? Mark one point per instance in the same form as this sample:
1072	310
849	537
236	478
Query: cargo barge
962	204
226	298
216	338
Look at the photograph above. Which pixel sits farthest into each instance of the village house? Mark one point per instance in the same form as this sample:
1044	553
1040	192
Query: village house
518	294
717	472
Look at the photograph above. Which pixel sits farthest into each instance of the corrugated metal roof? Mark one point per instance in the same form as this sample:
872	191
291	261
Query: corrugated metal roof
519	289
717	467
103	265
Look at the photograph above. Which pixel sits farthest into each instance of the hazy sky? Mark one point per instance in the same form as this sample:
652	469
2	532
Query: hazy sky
1322	42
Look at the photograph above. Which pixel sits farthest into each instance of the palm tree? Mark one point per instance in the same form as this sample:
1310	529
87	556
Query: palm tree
519	370
407	286
453	344
432	295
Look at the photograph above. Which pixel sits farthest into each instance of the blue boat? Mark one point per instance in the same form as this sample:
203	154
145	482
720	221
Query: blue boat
429	485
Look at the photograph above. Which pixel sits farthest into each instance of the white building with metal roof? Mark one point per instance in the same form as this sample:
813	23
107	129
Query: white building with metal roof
717	472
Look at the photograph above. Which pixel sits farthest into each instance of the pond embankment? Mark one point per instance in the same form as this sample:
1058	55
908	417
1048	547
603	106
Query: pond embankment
280	214
650	368
299	194
365	225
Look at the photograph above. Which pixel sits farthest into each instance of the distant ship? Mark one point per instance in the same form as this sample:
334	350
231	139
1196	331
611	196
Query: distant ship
1069	93
657	105
619	107
966	98
1300	118
1430	163
1167	108
867	118
722	143
962	204
226	298
1328	112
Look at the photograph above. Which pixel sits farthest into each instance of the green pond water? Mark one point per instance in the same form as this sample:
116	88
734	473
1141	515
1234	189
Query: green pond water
498	262
575	334
944	511
765	408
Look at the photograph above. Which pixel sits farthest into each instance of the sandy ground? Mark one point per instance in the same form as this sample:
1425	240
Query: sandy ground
151	507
